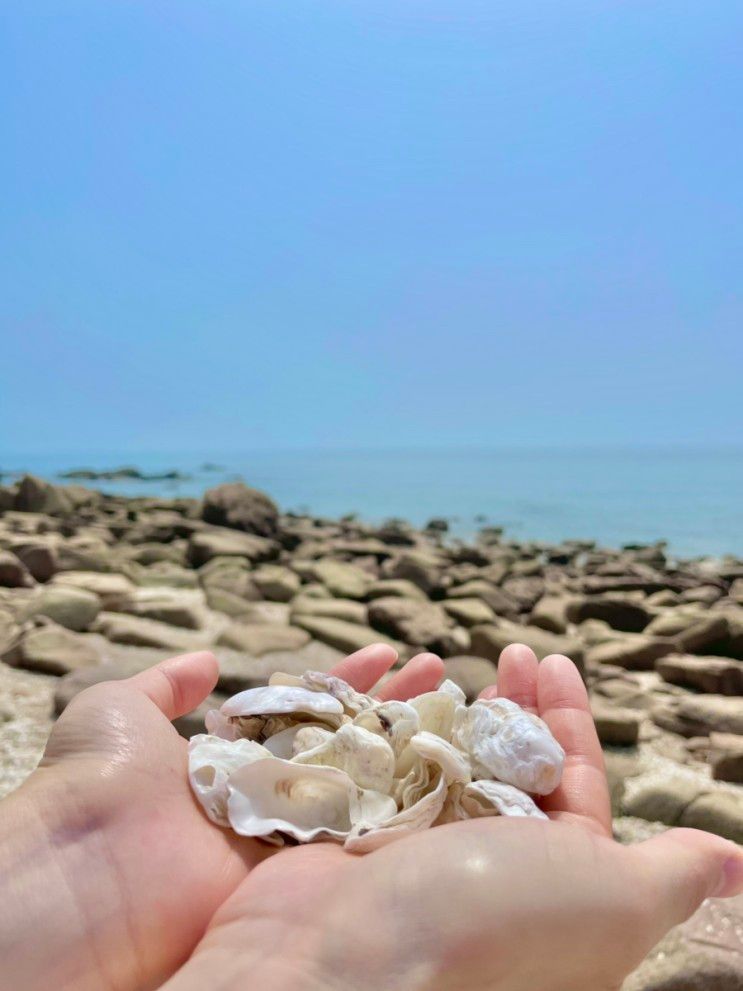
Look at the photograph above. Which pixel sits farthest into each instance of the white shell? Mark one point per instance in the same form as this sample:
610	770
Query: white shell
453	762
365	837
293	740
317	681
436	712
509	744
365	757
273	700
303	801
211	760
396	721
450	688
483	798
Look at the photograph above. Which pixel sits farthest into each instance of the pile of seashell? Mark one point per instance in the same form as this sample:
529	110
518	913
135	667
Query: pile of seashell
312	759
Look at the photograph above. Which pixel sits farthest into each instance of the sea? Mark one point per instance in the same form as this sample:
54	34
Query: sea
691	498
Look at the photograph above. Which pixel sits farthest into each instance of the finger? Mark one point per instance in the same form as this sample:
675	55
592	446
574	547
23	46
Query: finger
517	676
363	669
678	869
421	674
562	702
178	685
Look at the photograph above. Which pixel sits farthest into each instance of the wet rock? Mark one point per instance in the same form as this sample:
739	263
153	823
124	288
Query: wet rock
260	638
421	624
13	572
716	675
239	507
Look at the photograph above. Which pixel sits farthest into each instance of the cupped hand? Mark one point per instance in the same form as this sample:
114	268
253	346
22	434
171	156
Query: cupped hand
506	904
140	868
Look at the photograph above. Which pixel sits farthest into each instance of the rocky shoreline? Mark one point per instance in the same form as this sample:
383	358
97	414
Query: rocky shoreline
96	586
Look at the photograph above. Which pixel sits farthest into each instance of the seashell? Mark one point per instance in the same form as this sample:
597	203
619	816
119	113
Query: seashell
260	713
293	740
217	724
304	801
454	764
211	760
317	681
396	721
487	798
366	837
436	712
509	744
450	688
365	757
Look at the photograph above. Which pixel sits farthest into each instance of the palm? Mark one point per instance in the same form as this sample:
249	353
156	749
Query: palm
126	765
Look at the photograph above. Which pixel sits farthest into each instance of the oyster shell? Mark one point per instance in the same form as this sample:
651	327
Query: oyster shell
260	713
365	757
317	681
483	798
505	742
211	760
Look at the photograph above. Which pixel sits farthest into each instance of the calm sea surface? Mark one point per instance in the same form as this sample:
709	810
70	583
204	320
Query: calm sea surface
691	498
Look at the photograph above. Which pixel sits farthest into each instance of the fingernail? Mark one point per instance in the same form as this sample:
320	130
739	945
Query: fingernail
731	879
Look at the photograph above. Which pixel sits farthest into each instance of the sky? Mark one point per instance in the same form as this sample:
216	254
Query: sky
284	223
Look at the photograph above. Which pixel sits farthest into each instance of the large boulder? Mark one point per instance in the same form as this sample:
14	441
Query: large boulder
239	507
34	495
488	641
421	624
716	675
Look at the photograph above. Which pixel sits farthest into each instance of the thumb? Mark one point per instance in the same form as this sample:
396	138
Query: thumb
682	867
178	685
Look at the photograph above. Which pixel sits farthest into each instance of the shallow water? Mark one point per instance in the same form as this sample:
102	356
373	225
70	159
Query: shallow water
691	498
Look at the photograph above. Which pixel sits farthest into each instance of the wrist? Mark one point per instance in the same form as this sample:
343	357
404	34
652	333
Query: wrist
56	912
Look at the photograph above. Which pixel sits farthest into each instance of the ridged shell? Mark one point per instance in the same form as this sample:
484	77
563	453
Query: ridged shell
211	760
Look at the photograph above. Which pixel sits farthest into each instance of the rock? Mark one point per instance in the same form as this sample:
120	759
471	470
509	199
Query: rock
151	553
550	613
221	600
347	609
527	591
726	757
260	638
346	581
468	612
177	608
700	715
139	632
275	582
10	636
472	674
393	586
55	650
208	544
239	507
634	651
614	725
13	572
39	557
232	574
673	621
111	589
84	554
499	601
619	612
421	624
275	613
718	812
702	634
488	641
595	631
620	765
662	599
162	573
660	798
73	608
238	671
705	594
344	636
421	568
34	495
718	675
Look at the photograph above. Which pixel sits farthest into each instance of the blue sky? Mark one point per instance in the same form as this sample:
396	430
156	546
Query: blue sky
298	224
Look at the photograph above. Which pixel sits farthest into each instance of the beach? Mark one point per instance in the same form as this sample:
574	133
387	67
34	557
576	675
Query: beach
96	585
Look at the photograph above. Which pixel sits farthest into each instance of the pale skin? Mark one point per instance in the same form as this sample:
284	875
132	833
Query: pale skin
107	858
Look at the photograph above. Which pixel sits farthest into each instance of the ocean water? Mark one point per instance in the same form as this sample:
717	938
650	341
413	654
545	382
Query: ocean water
693	499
